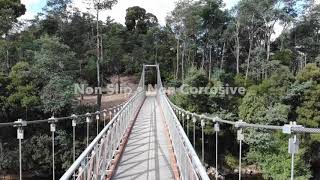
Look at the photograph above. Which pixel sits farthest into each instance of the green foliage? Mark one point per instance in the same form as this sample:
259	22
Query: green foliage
57	95
274	160
194	102
263	104
4	81
37	153
8	158
10	10
231	161
308	112
286	57
306	96
23	92
241	81
53	58
251	103
41	62
267	94
310	72
57	6
90	69
138	20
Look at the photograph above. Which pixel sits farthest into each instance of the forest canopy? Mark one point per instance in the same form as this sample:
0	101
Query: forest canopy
202	44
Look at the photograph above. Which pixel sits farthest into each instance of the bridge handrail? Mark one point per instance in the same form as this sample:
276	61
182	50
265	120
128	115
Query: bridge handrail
191	153
74	167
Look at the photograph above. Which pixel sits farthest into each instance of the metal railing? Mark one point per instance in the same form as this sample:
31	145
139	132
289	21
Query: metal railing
96	159
94	162
189	164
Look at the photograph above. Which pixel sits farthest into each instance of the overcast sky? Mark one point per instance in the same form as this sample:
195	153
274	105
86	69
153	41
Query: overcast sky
160	8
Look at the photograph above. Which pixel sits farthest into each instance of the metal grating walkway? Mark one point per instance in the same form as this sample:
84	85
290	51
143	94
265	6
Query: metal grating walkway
147	155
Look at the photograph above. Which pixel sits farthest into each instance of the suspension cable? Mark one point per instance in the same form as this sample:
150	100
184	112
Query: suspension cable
59	119
294	129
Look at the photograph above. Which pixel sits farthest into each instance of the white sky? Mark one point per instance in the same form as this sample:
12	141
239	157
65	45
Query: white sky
160	8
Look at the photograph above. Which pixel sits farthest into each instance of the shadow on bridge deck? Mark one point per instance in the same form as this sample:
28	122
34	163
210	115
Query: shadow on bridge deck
147	154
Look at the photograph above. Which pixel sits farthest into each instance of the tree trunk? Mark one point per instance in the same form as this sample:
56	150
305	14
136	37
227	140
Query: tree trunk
177	68
305	60
222	57
249	57
98	62
101	60
194	57
268	46
182	61
238	45
156	59
202	63
7	62
189	57
118	83
281	43
210	62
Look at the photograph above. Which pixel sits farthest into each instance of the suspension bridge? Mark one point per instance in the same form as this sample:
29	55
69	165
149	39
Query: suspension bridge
147	137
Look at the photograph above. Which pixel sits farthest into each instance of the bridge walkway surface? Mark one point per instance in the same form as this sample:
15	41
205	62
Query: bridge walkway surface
148	153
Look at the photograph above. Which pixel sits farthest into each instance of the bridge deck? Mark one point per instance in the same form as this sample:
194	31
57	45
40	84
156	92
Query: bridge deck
147	154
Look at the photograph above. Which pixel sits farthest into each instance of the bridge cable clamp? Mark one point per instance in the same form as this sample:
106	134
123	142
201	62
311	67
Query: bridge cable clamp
216	127
194	119
239	125
74	120
188	115
88	117
20	131
203	118
97	115
52	121
293	144
287	128
216	119
203	123
104	113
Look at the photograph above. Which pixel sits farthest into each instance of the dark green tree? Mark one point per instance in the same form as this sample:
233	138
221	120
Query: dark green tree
138	20
10	10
